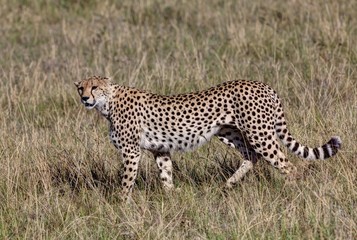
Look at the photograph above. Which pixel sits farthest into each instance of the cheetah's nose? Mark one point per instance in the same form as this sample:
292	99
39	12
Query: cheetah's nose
85	99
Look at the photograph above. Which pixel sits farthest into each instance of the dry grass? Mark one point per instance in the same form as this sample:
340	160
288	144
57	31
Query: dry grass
60	176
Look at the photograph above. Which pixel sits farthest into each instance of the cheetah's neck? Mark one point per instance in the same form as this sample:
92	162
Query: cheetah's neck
104	109
104	106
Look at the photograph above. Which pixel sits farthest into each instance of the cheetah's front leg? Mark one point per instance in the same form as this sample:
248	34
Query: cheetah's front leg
131	157
164	163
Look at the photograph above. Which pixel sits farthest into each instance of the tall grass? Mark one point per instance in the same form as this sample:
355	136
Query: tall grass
60	176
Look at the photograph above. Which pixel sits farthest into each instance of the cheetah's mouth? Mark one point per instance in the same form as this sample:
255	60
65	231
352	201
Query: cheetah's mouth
89	105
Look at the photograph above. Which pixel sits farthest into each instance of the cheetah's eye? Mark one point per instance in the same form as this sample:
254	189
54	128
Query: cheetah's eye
94	88
80	90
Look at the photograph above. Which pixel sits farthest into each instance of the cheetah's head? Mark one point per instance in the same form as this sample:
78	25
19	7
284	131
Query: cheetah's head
93	91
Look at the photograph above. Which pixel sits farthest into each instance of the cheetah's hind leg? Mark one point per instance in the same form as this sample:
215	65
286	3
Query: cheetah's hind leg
268	147
233	138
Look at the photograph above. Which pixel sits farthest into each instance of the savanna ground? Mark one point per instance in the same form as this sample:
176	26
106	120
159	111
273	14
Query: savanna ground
60	176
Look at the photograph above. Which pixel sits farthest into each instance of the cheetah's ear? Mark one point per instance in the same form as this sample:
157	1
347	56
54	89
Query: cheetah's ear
77	84
107	79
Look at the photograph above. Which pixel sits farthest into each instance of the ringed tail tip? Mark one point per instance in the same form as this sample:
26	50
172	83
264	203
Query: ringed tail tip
335	142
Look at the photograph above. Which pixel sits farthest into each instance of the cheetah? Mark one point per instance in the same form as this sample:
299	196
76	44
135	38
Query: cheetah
246	115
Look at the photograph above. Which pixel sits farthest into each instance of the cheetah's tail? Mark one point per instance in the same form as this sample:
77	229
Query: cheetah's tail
327	150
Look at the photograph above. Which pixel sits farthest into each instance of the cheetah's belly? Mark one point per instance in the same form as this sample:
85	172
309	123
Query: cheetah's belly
166	142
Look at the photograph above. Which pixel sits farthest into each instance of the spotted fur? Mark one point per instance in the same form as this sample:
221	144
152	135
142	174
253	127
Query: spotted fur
243	114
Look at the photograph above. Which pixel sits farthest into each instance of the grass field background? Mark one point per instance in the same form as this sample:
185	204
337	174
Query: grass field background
60	176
